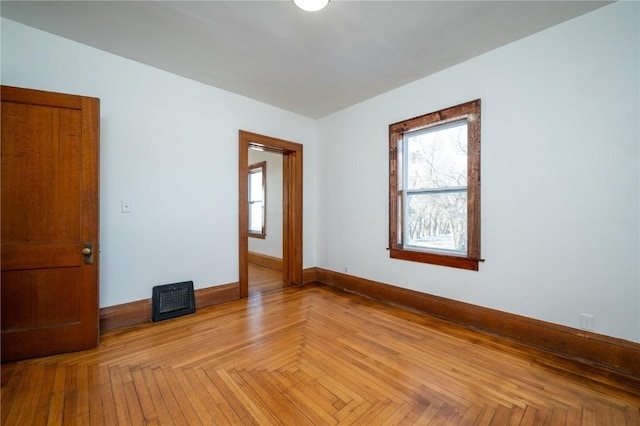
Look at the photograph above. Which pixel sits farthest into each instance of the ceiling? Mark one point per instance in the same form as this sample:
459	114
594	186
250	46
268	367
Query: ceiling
309	63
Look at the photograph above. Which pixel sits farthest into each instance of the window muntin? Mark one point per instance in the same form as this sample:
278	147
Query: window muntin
257	199
434	187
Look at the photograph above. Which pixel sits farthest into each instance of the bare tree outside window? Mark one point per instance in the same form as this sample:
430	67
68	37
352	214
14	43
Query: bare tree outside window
437	187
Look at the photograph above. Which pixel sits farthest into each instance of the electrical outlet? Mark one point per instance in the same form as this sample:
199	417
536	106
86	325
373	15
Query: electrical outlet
587	322
346	269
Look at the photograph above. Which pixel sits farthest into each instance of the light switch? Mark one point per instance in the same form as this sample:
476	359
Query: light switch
126	207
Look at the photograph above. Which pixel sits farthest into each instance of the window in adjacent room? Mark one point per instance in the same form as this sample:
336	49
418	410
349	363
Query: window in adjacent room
257	199
434	187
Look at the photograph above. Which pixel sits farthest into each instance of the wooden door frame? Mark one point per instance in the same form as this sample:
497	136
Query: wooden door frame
291	206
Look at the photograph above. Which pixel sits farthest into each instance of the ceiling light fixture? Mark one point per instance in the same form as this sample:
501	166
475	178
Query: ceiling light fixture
311	5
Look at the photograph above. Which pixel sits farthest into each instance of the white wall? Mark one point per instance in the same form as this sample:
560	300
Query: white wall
271	245
560	181
169	146
560	171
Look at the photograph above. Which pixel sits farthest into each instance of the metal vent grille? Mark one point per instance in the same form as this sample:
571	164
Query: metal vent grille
173	300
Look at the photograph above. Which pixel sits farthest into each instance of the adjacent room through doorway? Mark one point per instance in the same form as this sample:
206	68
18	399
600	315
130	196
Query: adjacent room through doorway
280	247
265	187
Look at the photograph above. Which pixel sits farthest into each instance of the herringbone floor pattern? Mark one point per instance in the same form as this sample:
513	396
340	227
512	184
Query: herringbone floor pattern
300	356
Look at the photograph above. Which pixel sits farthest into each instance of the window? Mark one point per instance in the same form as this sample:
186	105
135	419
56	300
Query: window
434	187
257	199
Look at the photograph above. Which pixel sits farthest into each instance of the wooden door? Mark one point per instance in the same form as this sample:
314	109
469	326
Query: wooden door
49	282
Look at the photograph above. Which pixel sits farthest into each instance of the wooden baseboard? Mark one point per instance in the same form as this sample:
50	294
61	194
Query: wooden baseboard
125	315
132	313
216	295
309	275
619	357
266	261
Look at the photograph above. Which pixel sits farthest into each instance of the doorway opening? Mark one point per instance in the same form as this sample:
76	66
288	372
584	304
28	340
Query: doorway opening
291	206
265	221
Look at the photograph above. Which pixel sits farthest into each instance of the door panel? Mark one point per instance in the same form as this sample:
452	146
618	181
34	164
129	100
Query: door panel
37	292
49	211
45	160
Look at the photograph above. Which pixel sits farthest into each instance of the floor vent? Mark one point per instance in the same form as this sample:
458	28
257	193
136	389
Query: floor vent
173	300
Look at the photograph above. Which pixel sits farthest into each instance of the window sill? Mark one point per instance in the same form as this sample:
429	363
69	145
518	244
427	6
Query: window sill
435	259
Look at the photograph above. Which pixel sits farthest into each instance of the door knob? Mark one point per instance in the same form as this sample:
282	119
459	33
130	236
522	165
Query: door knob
87	252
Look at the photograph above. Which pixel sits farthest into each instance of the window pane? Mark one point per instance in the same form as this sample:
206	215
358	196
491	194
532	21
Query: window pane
437	157
255	217
437	221
255	186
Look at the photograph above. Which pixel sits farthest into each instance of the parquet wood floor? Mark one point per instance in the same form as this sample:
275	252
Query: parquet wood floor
263	279
306	355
